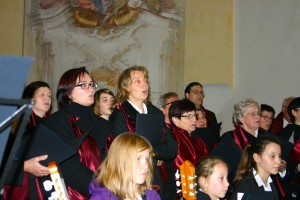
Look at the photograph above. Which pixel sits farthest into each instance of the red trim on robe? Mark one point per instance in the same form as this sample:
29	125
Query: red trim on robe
23	192
131	125
189	148
239	137
89	156
241	141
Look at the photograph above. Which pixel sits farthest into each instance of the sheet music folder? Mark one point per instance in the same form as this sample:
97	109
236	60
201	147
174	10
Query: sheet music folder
150	126
44	141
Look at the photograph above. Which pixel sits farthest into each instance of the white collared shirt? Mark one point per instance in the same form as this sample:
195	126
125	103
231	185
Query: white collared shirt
256	133
285	123
292	138
139	110
260	182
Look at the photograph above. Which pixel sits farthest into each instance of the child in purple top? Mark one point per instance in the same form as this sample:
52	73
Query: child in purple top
126	172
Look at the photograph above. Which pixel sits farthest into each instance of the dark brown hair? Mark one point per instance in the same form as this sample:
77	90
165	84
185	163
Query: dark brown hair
30	89
97	95
179	107
247	162
66	84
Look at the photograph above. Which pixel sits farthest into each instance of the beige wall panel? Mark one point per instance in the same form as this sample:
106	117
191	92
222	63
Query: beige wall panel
11	27
209	42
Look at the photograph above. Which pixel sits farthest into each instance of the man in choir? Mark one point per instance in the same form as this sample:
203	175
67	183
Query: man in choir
164	104
194	92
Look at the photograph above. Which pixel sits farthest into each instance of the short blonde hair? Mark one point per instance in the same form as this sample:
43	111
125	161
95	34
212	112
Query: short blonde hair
125	81
240	108
116	172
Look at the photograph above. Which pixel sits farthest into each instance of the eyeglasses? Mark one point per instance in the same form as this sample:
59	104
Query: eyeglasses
197	92
190	116
86	86
253	114
267	118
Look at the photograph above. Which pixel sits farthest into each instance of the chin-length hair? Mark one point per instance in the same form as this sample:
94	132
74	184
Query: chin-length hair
96	104
117	171
66	85
125	81
179	107
31	88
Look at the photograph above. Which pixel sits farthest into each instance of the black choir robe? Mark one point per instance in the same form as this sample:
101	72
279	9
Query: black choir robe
95	131
202	196
166	151
230	152
210	117
78	170
292	182
17	183
249	184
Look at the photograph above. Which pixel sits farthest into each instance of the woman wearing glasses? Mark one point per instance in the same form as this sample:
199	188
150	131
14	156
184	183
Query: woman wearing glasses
77	125
183	116
183	119
246	117
133	97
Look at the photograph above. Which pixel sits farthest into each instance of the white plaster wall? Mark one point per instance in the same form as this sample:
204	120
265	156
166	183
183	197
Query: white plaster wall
266	57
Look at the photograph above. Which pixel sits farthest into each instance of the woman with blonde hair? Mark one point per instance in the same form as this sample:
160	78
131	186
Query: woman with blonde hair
132	99
126	172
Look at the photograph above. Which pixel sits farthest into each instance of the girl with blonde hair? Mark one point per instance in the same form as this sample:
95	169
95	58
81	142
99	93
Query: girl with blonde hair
126	172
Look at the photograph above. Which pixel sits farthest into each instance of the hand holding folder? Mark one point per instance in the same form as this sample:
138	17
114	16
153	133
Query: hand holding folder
45	141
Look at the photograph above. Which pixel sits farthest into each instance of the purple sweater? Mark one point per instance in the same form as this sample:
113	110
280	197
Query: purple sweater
102	193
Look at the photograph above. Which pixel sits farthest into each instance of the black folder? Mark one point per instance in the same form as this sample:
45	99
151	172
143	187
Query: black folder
210	135
151	127
44	141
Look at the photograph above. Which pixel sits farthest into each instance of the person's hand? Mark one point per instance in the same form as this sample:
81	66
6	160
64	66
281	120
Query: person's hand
34	167
282	166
